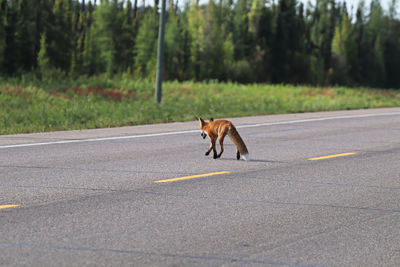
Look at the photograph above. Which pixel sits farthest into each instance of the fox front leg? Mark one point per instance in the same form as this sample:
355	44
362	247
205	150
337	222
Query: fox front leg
209	150
212	147
215	156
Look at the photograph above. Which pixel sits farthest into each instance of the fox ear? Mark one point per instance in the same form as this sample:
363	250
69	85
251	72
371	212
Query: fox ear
202	122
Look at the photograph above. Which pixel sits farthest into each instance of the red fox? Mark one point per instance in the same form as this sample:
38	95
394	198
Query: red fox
219	129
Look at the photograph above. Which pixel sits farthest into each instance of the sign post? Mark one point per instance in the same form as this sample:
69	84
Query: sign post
160	53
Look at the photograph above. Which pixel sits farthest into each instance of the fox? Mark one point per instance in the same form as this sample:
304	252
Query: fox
219	129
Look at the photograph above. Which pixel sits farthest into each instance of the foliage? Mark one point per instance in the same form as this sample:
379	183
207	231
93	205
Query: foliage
243	40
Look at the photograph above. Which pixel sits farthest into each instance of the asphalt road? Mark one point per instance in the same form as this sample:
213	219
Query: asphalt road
104	197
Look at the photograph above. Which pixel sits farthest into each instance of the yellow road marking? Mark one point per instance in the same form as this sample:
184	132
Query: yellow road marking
190	177
333	156
8	206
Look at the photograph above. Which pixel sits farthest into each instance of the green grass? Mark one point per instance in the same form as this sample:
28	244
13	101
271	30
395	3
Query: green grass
95	103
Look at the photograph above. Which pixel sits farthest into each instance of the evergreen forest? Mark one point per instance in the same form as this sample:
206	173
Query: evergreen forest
244	41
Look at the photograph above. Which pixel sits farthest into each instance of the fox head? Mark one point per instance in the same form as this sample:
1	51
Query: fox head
202	126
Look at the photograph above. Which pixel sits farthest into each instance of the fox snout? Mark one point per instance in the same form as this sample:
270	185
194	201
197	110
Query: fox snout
204	135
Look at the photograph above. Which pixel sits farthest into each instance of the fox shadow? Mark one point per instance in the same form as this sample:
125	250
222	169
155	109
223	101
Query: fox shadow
252	160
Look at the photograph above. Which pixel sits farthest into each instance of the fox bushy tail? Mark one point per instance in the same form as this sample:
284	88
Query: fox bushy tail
238	141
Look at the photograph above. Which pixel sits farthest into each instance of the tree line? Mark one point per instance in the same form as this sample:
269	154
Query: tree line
242	40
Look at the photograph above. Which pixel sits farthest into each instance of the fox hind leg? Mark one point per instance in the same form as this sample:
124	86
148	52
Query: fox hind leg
237	155
221	144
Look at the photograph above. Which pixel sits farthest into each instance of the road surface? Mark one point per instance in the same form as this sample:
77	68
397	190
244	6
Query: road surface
322	189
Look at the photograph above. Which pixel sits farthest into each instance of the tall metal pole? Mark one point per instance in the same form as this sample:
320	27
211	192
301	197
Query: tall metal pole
160	54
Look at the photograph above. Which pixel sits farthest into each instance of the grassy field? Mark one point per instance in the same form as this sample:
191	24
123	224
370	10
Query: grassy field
95	103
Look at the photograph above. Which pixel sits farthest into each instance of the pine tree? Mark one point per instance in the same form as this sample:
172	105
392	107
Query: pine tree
344	52
3	20
214	35
392	47
359	38
10	58
78	38
45	67
240	35
127	38
264	41
196	27
379	74
146	46
91	62
285	41
255	16
59	34
108	20
322	31
376	38
259	34
174	46
279	59
25	35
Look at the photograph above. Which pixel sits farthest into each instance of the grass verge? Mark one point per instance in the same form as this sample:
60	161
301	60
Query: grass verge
29	108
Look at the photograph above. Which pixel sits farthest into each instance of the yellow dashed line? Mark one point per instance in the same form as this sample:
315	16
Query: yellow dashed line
333	156
8	206
190	177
